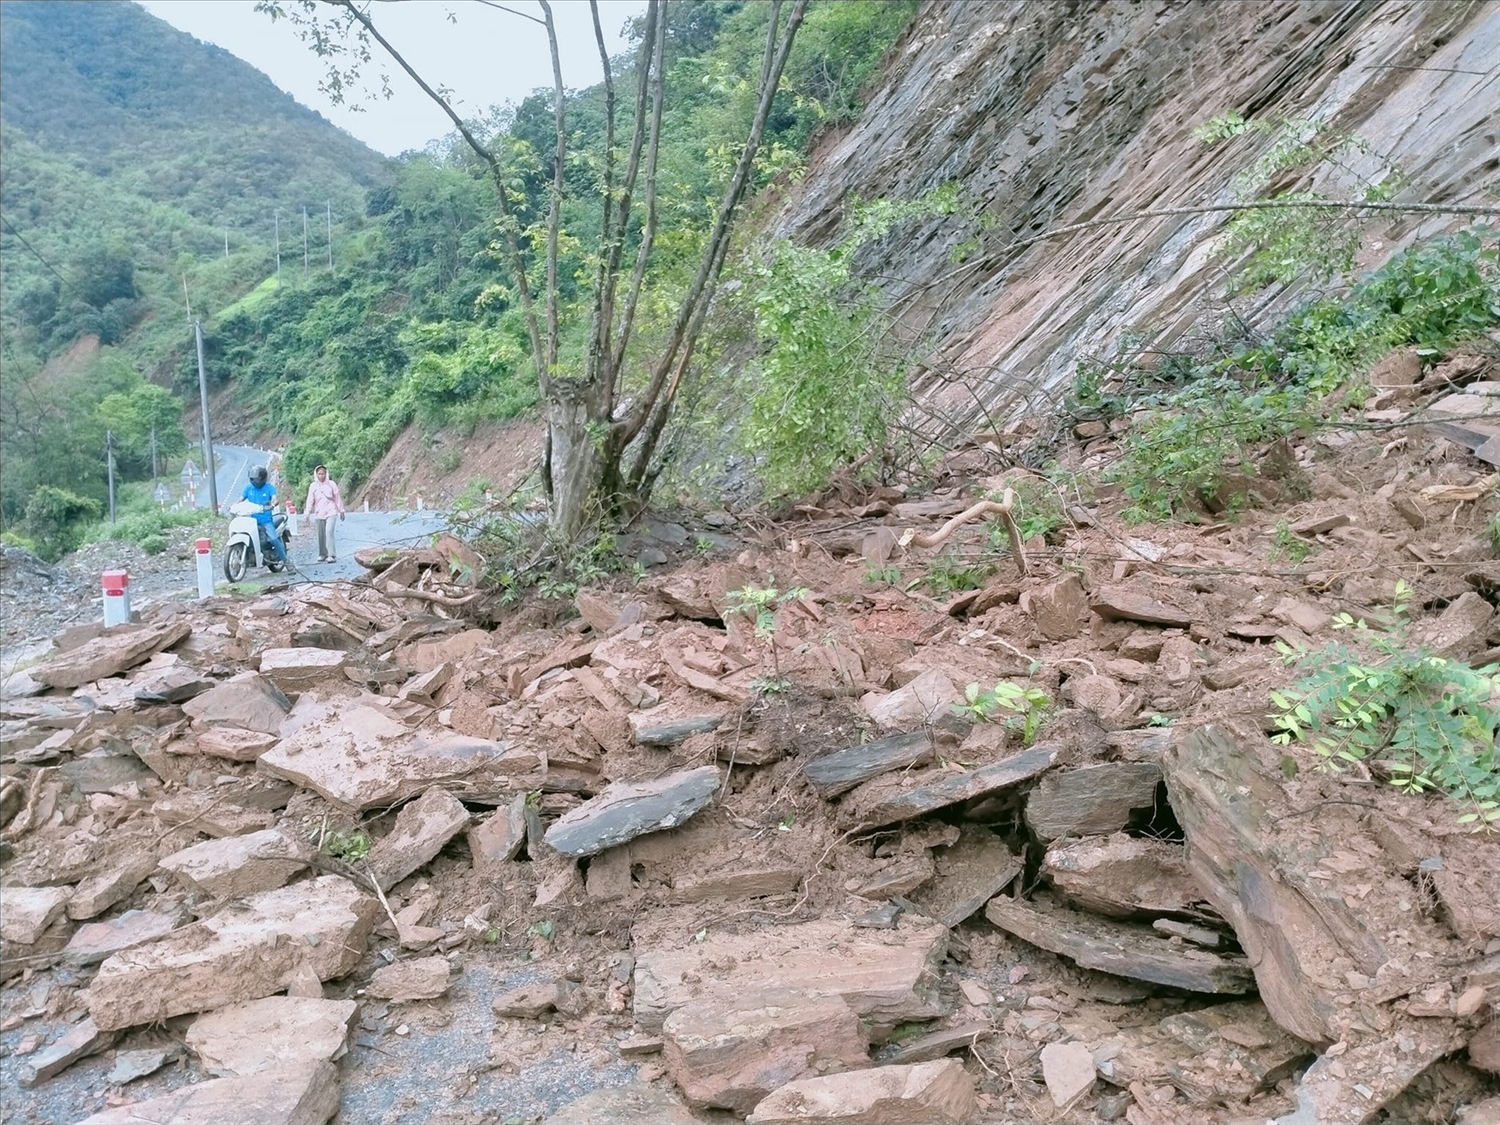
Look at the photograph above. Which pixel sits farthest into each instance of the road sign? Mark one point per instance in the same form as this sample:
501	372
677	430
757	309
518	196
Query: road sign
162	495
189	474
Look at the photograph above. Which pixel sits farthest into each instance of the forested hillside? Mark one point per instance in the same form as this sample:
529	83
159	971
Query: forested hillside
131	152
131	149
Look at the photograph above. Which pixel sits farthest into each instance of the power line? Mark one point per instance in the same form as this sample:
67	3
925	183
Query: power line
34	250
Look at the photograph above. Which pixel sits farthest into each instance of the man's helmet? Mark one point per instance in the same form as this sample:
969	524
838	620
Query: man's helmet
258	476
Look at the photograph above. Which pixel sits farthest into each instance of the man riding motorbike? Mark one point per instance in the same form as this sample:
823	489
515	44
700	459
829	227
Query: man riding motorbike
261	491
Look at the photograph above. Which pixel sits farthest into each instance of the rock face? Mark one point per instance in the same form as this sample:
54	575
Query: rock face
731	1055
931	1093
237	955
626	810
1062	118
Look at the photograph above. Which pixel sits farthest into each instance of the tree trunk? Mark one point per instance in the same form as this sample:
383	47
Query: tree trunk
575	463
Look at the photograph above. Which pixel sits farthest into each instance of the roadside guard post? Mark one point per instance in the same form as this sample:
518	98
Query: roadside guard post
291	518
204	549
116	585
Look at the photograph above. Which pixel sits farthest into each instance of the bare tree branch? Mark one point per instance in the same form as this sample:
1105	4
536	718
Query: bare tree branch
554	209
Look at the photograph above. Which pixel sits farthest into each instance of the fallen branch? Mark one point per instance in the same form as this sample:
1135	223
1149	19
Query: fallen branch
1002	508
426	596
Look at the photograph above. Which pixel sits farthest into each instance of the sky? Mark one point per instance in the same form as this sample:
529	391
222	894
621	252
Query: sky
487	57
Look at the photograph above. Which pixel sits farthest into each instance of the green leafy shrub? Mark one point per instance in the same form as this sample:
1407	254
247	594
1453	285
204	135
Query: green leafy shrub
54	518
1433	722
1028	707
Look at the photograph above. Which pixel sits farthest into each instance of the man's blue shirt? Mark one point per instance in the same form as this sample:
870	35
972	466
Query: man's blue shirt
263	494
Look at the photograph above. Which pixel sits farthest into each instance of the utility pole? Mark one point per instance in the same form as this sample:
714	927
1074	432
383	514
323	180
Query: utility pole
185	298
278	248
226	242
330	234
154	473
304	242
208	441
109	461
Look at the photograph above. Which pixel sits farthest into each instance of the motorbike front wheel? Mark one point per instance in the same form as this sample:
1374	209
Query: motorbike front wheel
234	561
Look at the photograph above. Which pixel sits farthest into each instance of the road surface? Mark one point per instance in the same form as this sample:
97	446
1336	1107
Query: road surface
360	530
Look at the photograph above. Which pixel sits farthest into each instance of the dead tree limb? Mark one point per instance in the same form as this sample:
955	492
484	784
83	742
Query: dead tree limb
1002	508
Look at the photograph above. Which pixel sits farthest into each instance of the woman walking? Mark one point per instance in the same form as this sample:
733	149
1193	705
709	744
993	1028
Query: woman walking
324	501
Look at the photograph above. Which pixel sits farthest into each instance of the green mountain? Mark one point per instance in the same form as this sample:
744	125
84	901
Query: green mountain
130	150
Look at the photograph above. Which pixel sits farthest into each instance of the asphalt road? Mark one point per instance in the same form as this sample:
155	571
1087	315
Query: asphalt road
358	531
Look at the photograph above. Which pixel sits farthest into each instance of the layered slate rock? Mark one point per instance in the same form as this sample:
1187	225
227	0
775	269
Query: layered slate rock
97	940
83	1039
500	838
298	669
304	1094
249	950
1120	948
422	828
733	1053
1127	603
1091	801
248	702
360	757
1121	876
839	772
120	648
932	1093
636	1104
968	875
26	912
887	800
626	810
239	865
887	977
423	979
273	1033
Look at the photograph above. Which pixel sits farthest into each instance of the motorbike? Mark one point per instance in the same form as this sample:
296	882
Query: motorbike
248	543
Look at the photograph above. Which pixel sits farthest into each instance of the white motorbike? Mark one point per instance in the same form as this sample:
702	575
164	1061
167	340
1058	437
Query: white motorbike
248	543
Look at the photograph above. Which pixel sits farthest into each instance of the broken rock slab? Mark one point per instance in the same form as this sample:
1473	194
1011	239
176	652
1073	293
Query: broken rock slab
423	979
301	669
97	940
926	698
1127	603
732	1053
1460	630
1123	876
1351	1087
239	865
1068	1070
532	1001
968	875
422	828
626	810
887	976
26	912
652	729
636	1104
303	1094
80	1041
1091	801
358	756
931	1093
119	648
500	838
250	949
1120	948
273	1033
234	743
248	701
887	800
839	772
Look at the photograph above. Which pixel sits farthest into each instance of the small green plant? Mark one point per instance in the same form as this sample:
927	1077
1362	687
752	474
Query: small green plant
882	575
350	847
1029	707
1157	719
702	545
1289	544
949	575
1432	721
760	605
544	929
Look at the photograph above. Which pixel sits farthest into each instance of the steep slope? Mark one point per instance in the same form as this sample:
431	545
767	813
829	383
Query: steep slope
1046	115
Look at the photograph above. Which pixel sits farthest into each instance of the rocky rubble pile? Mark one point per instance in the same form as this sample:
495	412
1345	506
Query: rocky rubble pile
760	866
